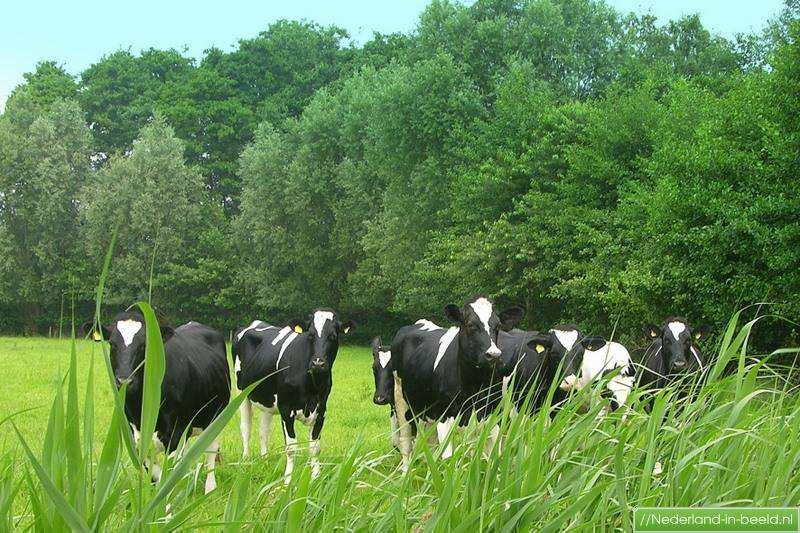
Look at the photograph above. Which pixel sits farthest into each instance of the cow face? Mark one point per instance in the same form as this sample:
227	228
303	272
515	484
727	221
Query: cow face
554	345
478	326
678	350
382	369
126	336
324	330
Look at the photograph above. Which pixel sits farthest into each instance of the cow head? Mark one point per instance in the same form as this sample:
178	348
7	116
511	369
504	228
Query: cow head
382	369
324	329
478	326
677	343
126	335
554	345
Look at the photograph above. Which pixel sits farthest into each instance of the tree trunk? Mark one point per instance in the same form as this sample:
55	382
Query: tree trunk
31	312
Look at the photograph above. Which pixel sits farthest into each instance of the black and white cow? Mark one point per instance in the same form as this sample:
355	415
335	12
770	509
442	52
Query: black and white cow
383	372
672	352
296	362
195	388
531	363
440	373
592	358
245	342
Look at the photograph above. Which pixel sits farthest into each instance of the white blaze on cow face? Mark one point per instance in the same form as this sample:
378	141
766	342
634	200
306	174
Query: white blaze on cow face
676	328
384	358
128	329
444	342
320	317
567	338
483	308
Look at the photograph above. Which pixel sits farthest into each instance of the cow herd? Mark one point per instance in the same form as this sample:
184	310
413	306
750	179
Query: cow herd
431	376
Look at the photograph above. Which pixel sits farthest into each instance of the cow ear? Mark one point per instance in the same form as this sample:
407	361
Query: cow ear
700	333
540	343
453	312
95	332
510	317
593	343
297	326
166	333
346	327
651	331
376	344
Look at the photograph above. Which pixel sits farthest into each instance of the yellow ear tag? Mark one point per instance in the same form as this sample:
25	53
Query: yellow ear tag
298	329
539	348
347	329
96	335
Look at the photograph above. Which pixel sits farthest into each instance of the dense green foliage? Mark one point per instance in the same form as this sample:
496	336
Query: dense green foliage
594	167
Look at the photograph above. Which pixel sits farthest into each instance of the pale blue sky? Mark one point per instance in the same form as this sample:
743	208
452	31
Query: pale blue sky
78	33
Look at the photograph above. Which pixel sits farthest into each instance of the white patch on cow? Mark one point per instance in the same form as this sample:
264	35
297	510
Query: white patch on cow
620	387
211	462
569	382
443	430
483	308
237	364
281	334
506	383
444	343
307	420
384	358
128	329
676	328
286	343
567	338
313	451
320	317
612	355
254	324
696	356
427	325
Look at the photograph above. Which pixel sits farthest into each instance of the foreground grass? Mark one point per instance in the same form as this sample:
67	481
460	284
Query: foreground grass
733	442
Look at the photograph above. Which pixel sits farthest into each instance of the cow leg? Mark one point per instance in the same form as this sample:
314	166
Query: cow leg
314	445
245	421
395	434
290	440
443	430
211	462
430	431
264	424
404	428
492	440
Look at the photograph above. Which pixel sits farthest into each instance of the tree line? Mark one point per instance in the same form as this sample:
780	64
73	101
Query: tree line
592	166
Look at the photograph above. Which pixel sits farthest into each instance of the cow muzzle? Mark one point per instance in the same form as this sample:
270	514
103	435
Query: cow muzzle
380	399
318	365
678	365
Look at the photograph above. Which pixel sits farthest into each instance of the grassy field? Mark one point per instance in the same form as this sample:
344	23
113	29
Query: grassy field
31	366
735	441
